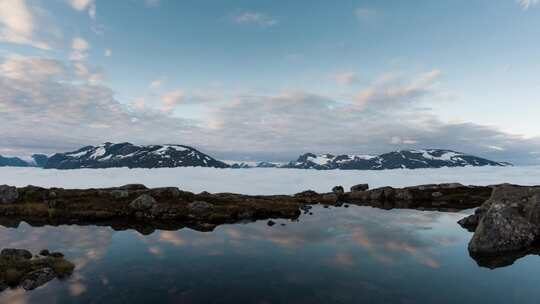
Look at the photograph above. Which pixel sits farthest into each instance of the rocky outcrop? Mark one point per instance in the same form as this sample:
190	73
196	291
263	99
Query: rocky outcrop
508	223
138	207
19	268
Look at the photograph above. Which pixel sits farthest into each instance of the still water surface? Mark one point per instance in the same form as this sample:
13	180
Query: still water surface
336	255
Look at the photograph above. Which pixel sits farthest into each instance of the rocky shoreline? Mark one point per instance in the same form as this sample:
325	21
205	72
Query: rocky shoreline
507	222
161	207
20	268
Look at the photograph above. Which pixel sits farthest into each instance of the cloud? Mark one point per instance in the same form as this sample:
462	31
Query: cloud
152	3
108	53
18	24
92	76
84	5
302	122
255	18
70	110
346	78
156	84
390	90
365	14
61	96
21	68
526	4
79	48
172	99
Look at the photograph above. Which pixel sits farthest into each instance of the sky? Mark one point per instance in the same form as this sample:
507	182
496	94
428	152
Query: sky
269	80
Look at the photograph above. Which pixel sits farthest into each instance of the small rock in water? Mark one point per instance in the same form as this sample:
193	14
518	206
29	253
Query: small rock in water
270	223
37	278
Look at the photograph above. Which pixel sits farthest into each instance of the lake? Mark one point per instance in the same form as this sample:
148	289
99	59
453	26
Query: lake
335	255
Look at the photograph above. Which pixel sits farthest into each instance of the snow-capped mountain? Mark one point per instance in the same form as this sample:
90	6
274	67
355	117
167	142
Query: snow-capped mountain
410	159
36	160
111	155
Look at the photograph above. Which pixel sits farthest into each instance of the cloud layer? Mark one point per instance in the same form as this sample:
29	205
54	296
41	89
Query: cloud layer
47	106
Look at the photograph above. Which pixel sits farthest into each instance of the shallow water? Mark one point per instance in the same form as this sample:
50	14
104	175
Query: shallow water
336	255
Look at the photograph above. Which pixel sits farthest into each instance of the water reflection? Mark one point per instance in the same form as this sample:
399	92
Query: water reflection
337	255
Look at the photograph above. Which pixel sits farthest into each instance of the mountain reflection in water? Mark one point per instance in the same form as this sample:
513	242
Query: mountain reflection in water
336	255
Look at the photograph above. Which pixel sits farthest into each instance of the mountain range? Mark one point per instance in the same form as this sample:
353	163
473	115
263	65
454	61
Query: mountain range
110	155
405	159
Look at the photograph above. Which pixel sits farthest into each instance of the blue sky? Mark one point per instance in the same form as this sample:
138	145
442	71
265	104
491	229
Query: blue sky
272	79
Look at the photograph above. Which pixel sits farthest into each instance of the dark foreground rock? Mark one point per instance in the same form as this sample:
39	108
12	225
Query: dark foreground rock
19	268
506	226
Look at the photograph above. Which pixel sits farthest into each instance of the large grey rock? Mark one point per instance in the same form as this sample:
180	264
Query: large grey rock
508	222
143	202
17	253
37	278
502	229
8	194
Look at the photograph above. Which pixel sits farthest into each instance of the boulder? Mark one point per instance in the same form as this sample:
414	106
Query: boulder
17	253
508	222
307	193
143	202
338	190
37	278
133	187
502	229
8	194
451	185
360	187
